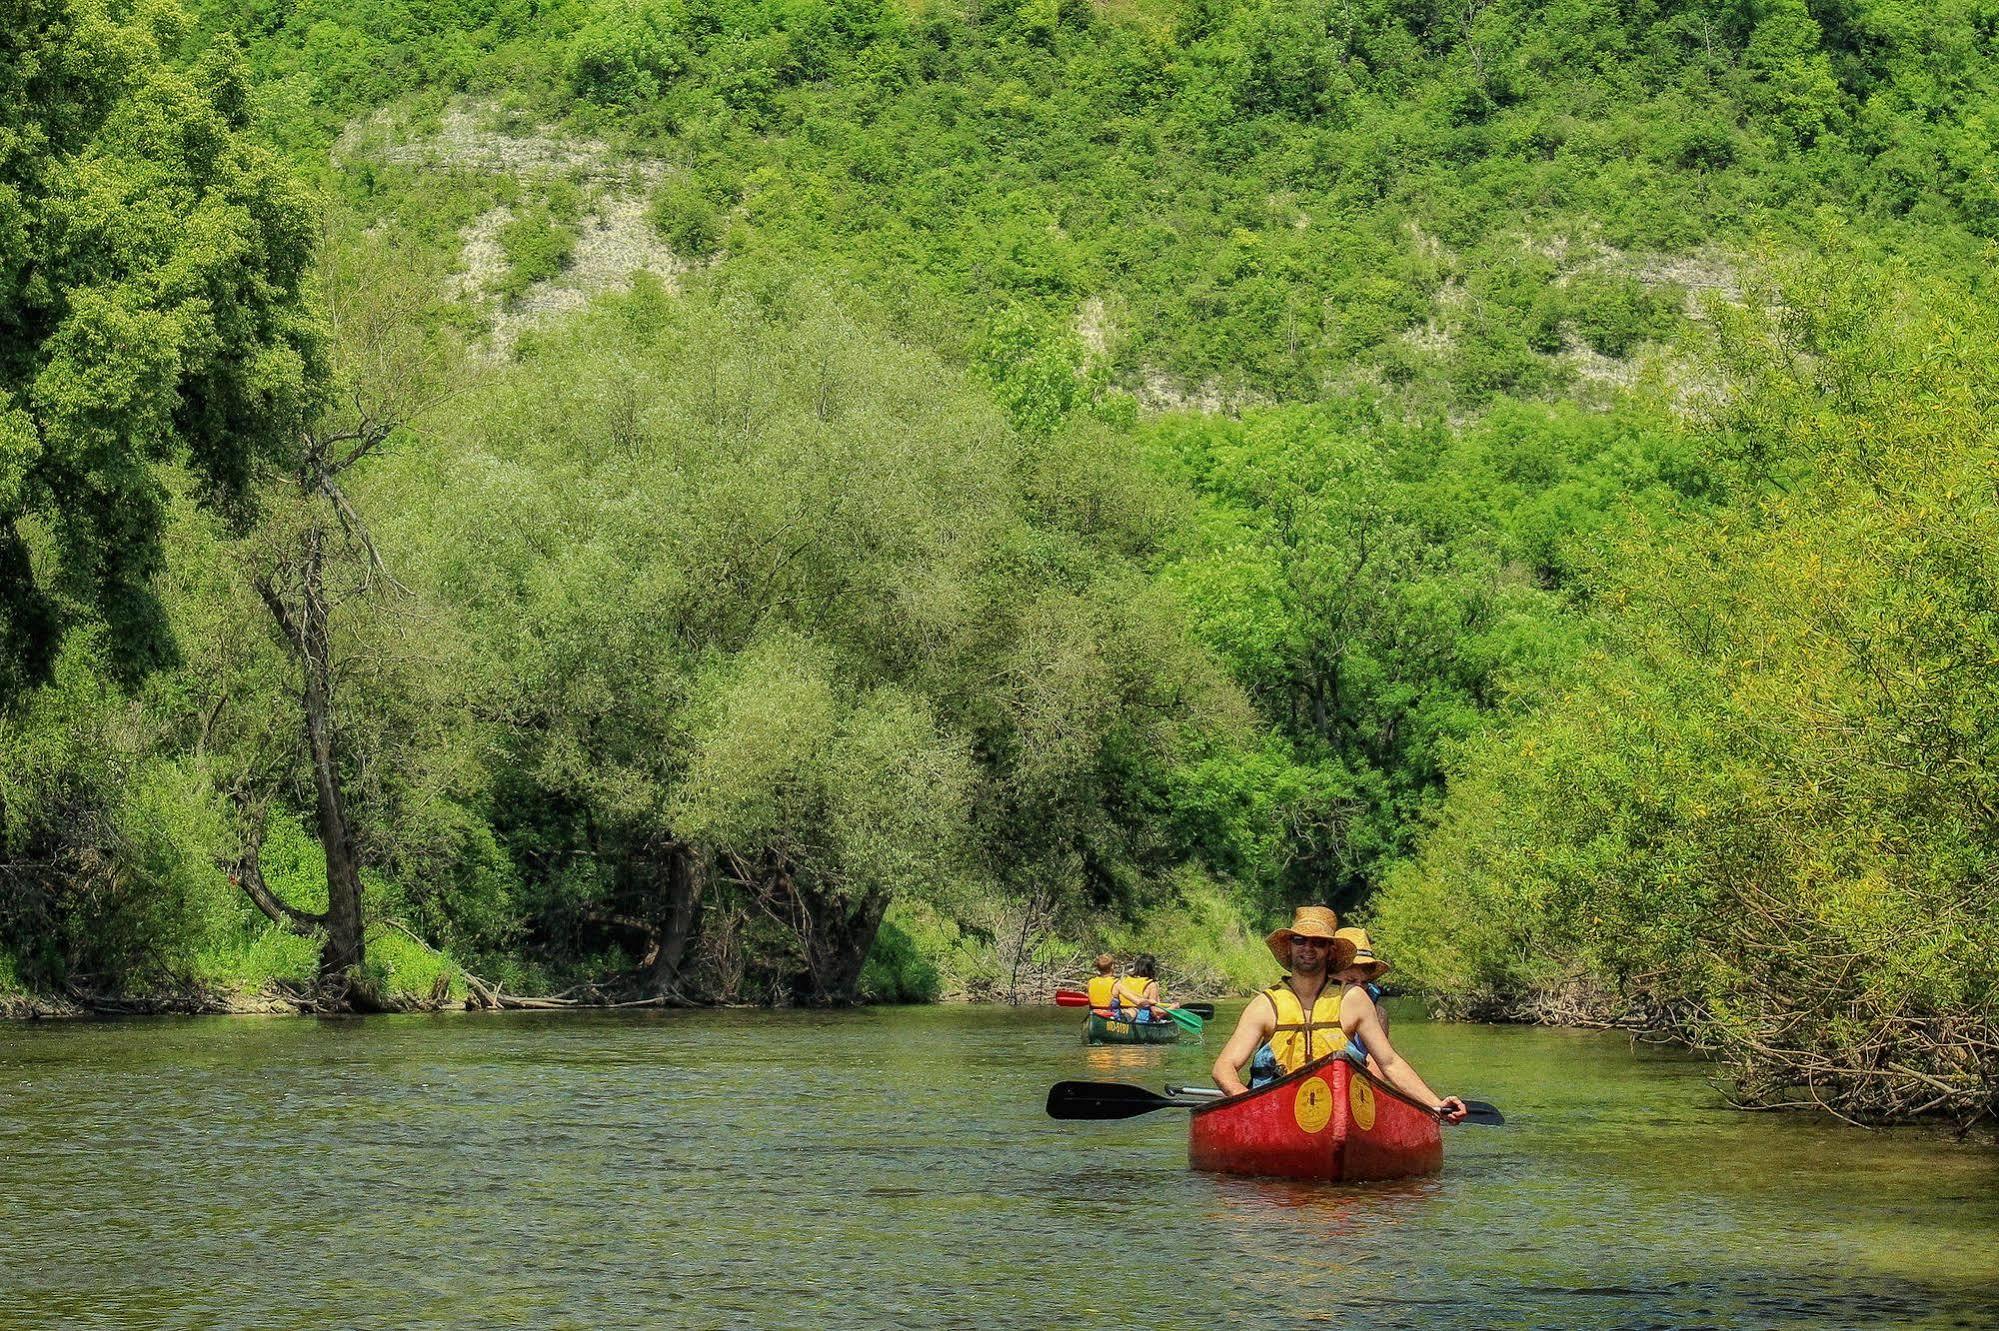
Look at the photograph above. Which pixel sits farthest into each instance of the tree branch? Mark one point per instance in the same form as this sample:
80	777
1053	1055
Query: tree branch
268	591
248	874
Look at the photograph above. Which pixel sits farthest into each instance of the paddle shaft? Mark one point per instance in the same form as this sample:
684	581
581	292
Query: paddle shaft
1075	998
1099	1100
1476	1111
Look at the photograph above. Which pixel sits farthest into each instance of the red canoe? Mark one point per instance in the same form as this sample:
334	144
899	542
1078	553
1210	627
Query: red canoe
1327	1121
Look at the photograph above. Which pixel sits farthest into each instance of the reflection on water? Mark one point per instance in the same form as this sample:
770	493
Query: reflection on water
1124	1062
894	1169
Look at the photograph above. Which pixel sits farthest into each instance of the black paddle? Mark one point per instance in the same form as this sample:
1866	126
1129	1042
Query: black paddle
1205	1011
1107	1099
1115	1099
1478	1111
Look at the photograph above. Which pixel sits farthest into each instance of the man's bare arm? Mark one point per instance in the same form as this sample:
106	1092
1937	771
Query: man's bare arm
1365	1022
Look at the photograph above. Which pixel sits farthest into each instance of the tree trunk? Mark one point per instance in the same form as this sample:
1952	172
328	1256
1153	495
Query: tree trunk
839	949
345	947
686	880
311	638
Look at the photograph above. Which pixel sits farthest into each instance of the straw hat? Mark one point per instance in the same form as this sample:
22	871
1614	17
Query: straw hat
1309	922
1352	948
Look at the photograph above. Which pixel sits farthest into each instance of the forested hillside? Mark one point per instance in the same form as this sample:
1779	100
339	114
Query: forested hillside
793	501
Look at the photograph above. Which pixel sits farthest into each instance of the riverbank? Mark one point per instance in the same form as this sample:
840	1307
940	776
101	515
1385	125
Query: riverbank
1911	1067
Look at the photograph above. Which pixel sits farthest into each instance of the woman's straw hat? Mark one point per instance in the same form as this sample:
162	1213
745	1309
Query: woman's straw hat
1309	922
1352	948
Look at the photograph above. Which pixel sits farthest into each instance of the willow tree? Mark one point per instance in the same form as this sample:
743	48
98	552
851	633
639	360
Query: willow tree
1760	816
781	622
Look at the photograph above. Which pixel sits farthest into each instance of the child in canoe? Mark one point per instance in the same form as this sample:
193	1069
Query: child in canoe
1103	985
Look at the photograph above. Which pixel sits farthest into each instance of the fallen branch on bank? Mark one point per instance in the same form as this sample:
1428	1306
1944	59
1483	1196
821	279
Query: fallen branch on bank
487	996
1796	1032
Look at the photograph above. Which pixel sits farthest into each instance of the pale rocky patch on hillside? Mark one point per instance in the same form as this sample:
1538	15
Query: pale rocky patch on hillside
615	238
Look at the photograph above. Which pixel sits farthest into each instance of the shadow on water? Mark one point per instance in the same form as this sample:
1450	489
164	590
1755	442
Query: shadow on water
894	1168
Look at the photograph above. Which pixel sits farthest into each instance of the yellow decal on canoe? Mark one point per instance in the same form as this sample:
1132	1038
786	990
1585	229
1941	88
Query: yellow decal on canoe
1361	1097
1314	1105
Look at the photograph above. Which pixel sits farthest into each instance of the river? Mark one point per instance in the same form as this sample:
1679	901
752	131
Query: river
893	1168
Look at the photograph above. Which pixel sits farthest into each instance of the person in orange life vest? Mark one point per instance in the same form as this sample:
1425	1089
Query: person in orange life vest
1300	1019
1103	985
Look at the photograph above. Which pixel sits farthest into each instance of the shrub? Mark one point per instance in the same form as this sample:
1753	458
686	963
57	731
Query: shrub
897	972
623	56
1614	314
687	218
538	247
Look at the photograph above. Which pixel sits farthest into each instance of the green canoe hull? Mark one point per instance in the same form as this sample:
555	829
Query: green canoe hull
1102	1030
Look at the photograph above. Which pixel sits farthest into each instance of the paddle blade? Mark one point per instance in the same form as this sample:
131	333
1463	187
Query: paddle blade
1205	1011
1478	1111
1070	998
1187	1020
1102	1100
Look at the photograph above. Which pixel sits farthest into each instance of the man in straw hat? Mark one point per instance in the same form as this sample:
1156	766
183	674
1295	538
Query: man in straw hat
1322	1007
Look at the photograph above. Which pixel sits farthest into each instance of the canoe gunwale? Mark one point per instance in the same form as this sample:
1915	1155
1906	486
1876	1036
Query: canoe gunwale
1319	1064
1097	1030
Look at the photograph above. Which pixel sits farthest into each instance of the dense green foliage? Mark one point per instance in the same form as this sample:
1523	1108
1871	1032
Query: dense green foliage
1095	473
1266	198
740	573
1377	589
1759	810
151	258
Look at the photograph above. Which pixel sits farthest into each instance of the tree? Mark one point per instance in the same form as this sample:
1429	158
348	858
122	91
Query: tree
314	555
1759	815
151	264
782	624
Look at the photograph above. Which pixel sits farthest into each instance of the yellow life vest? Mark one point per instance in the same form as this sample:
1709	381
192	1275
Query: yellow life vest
1101	988
1129	992
1297	1041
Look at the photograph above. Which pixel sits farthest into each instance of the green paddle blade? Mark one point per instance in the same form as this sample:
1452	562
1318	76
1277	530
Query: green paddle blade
1188	1021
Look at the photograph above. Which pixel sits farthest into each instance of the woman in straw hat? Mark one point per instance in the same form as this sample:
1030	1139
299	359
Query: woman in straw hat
1354	965
1322	1006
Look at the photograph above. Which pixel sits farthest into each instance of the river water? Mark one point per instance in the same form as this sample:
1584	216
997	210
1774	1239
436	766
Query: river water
894	1168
